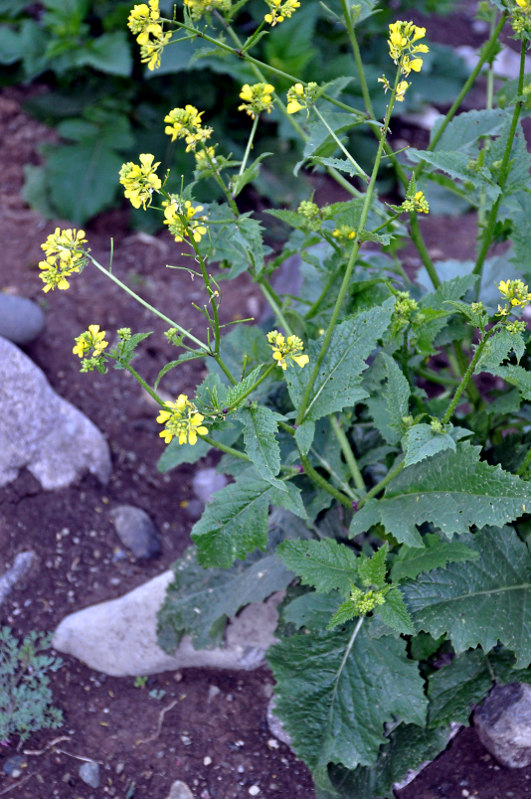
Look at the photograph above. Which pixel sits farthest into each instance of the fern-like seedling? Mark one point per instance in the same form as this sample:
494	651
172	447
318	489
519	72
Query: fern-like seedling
25	696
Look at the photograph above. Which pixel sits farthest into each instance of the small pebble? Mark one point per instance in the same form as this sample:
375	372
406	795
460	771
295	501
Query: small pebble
207	760
186	740
254	790
14	765
89	772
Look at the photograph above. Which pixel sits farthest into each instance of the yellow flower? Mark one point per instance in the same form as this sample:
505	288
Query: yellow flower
140	180
515	291
185	123
403	50
257	98
178	215
417	203
287	349
183	421
143	20
151	51
300	97
64	256
198	8
91	339
344	233
280	10
401	90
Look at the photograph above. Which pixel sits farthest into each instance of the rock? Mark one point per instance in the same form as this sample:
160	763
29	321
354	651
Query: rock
180	790
136	530
21	566
14	765
90	773
21	320
275	725
503	724
119	637
41	431
206	482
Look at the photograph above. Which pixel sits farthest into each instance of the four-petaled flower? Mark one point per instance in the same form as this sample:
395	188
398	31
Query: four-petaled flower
279	10
144	22
140	180
405	53
257	98
64	256
179	216
300	97
185	123
92	339
287	349
182	420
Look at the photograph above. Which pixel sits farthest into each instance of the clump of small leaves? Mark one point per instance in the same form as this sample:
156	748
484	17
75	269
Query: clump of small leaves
25	696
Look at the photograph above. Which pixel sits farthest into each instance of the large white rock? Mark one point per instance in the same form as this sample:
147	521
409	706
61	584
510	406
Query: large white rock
119	637
41	431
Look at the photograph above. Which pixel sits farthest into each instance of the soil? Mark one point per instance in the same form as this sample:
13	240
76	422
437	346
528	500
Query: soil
209	728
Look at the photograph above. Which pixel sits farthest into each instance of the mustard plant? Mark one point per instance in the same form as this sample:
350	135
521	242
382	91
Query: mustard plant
375	479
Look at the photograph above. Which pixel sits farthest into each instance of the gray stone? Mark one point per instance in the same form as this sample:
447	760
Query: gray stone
90	773
206	482
41	431
136	530
14	765
119	637
503	724
21	320
180	790
275	725
21	566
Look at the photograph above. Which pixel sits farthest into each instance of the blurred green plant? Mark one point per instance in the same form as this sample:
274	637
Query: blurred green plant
105	105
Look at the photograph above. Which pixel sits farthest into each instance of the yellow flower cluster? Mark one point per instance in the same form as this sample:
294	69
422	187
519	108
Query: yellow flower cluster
183	421
140	180
516	293
205	159
405	53
144	23
198	8
300	97
257	98
179	216
344	233
521	18
92	339
287	349
185	123
279	10
64	256
416	203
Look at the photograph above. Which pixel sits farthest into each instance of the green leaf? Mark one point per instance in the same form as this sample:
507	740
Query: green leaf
395	614
464	682
304	435
457	165
235	522
469	126
200	601
422	441
372	570
237	392
498	349
412	561
389	401
453	491
335	692
108	53
247	176
337	384
341	164
482	601
260	426
407	748
344	613
515	376
311	610
325	565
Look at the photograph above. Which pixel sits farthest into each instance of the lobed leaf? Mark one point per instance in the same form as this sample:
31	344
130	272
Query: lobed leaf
412	561
326	565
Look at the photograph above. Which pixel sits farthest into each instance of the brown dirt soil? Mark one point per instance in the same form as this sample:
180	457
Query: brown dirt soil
218	744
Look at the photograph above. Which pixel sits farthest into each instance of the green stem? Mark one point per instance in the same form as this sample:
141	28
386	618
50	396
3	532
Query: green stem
504	170
342	665
349	455
357	58
378	487
144	385
466	377
350	265
273	301
224	448
319	480
525	464
249	145
340	144
153	310
435	377
422	250
250	390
